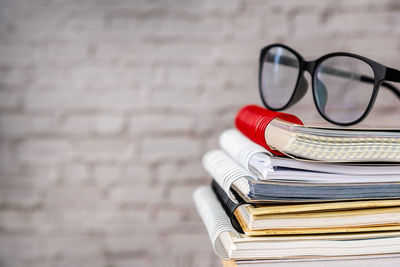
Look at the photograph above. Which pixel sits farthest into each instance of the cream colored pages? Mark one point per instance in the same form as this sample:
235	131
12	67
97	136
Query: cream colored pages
333	145
343	205
214	218
326	219
390	260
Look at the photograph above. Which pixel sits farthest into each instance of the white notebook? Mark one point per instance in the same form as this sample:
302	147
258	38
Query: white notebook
391	260
262	165
230	175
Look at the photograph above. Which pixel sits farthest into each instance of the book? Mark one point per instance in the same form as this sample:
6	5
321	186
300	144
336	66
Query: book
338	261
341	221
314	218
319	207
282	134
229	244
232	177
265	166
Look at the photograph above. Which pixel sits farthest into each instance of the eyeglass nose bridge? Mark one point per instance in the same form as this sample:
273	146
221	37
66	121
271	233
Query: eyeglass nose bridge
301	89
308	66
302	85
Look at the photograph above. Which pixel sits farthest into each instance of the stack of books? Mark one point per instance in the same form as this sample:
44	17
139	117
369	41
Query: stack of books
286	193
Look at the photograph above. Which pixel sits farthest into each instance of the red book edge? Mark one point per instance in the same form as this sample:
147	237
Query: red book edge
252	121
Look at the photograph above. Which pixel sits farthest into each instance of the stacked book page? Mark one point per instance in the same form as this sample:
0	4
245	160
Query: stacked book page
289	194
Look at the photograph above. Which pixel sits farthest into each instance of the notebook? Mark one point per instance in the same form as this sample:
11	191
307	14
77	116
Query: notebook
263	165
319	207
347	221
232	177
333	217
273	131
229	244
380	260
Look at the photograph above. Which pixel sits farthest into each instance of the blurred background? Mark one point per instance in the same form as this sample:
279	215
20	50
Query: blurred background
106	108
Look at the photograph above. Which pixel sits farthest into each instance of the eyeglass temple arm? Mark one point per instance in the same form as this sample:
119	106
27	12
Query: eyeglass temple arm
392	88
391	75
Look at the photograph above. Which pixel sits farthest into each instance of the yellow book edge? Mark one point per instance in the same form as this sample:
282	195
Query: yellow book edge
229	263
343	205
303	231
327	214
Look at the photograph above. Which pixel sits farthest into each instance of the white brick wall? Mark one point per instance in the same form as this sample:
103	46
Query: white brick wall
106	108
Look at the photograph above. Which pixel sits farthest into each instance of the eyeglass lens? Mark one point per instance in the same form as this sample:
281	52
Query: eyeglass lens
280	71
340	92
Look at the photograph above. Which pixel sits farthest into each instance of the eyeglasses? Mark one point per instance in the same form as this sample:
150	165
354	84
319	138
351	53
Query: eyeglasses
344	85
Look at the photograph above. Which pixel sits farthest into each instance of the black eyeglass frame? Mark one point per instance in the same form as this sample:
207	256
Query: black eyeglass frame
381	72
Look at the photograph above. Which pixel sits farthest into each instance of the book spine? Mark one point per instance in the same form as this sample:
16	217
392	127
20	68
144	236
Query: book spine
253	120
224	170
214	218
239	147
228	205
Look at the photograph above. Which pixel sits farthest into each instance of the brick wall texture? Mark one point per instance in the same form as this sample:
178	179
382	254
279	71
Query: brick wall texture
106	108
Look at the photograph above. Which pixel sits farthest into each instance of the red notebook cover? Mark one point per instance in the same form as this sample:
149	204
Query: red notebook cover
252	121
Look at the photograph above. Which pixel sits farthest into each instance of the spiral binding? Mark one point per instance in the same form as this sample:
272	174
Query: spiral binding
224	170
252	121
214	218
239	147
